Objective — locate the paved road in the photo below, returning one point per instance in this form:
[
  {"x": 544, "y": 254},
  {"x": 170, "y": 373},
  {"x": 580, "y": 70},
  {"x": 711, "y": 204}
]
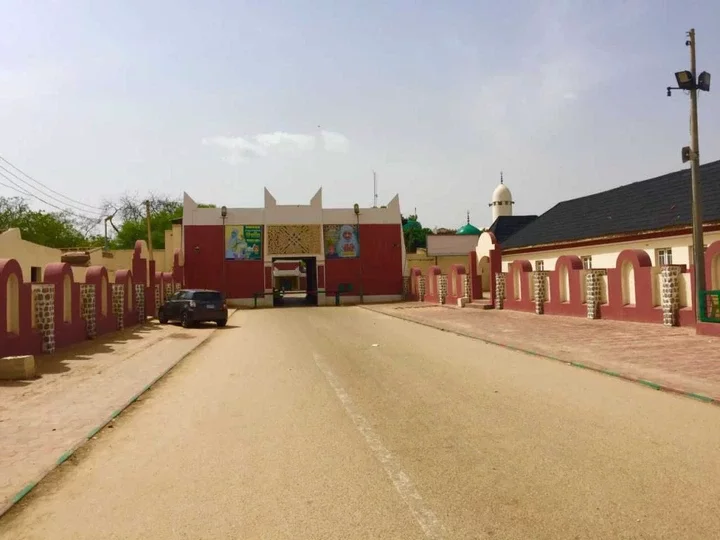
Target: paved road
[{"x": 341, "y": 423}]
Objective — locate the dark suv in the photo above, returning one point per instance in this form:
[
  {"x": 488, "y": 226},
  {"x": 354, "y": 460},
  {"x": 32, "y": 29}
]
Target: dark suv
[{"x": 190, "y": 306}]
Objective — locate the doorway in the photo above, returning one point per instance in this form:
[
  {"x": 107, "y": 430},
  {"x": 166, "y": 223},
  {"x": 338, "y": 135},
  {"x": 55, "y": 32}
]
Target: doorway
[{"x": 294, "y": 281}]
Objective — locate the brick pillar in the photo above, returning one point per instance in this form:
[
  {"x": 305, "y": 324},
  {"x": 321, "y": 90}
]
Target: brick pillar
[
  {"x": 140, "y": 302},
  {"x": 442, "y": 286},
  {"x": 118, "y": 304},
  {"x": 540, "y": 291},
  {"x": 168, "y": 291},
  {"x": 593, "y": 295},
  {"x": 157, "y": 299},
  {"x": 467, "y": 287},
  {"x": 670, "y": 277},
  {"x": 421, "y": 288},
  {"x": 87, "y": 309},
  {"x": 406, "y": 286},
  {"x": 44, "y": 315},
  {"x": 500, "y": 290}
]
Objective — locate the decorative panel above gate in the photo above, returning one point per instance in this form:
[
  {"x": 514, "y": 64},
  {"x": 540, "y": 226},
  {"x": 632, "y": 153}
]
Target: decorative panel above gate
[{"x": 293, "y": 239}]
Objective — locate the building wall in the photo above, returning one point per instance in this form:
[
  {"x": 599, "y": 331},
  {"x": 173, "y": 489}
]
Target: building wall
[
  {"x": 377, "y": 271},
  {"x": 423, "y": 261},
  {"x": 29, "y": 255},
  {"x": 605, "y": 255},
  {"x": 446, "y": 244}
]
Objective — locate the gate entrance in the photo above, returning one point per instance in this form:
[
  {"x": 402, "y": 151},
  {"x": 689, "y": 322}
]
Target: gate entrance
[{"x": 294, "y": 281}]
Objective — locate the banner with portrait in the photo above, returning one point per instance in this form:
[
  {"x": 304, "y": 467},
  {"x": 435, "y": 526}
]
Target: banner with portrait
[
  {"x": 341, "y": 241},
  {"x": 243, "y": 242}
]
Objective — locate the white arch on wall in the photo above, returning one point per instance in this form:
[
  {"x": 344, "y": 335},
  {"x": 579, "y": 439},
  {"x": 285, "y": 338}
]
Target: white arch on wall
[
  {"x": 628, "y": 283},
  {"x": 13, "y": 305},
  {"x": 564, "y": 284},
  {"x": 104, "y": 296},
  {"x": 67, "y": 299},
  {"x": 517, "y": 292}
]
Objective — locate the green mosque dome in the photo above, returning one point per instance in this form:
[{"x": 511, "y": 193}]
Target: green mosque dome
[{"x": 469, "y": 229}]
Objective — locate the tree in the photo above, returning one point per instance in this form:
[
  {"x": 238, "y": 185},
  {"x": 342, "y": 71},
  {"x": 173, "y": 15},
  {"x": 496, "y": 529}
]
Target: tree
[
  {"x": 131, "y": 213},
  {"x": 52, "y": 229},
  {"x": 415, "y": 234}
]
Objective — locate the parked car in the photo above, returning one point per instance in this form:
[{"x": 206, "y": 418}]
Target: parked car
[{"x": 191, "y": 306}]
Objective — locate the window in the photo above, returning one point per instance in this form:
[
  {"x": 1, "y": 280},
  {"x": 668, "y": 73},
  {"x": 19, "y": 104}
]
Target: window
[
  {"x": 207, "y": 296},
  {"x": 663, "y": 256},
  {"x": 539, "y": 266},
  {"x": 35, "y": 274},
  {"x": 587, "y": 262}
]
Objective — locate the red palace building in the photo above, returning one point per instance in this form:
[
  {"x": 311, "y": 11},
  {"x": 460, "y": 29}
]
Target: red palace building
[{"x": 351, "y": 255}]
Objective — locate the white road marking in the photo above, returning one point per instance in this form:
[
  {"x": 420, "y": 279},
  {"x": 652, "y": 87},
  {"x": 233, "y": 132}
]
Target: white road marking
[{"x": 425, "y": 517}]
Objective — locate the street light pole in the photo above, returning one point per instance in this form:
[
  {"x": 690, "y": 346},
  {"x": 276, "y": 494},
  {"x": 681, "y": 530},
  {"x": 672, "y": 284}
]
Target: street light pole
[
  {"x": 698, "y": 243},
  {"x": 691, "y": 82}
]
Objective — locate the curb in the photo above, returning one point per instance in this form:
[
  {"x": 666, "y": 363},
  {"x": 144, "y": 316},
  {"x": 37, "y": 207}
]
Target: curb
[
  {"x": 20, "y": 495},
  {"x": 655, "y": 386}
]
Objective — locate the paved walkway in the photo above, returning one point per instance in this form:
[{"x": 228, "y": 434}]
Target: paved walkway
[
  {"x": 672, "y": 357},
  {"x": 79, "y": 389}
]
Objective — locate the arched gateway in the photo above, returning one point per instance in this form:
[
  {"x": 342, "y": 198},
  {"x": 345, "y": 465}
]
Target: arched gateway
[{"x": 268, "y": 256}]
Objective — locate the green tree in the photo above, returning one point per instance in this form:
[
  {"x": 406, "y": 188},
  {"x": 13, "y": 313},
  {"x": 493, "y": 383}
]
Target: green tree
[
  {"x": 415, "y": 234},
  {"x": 131, "y": 213},
  {"x": 52, "y": 229}
]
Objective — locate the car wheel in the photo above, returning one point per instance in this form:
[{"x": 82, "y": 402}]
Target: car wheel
[
  {"x": 162, "y": 317},
  {"x": 185, "y": 320},
  {"x": 222, "y": 323}
]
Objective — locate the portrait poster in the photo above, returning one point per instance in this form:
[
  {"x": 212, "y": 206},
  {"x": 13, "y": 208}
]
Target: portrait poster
[
  {"x": 243, "y": 242},
  {"x": 341, "y": 241}
]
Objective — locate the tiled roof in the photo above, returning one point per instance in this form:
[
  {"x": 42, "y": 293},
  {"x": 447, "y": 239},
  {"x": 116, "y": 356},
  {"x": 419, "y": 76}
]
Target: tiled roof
[
  {"x": 657, "y": 203},
  {"x": 505, "y": 226}
]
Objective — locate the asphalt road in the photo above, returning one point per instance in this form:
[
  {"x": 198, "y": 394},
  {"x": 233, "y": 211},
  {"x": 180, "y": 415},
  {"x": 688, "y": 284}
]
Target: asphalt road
[{"x": 341, "y": 423}]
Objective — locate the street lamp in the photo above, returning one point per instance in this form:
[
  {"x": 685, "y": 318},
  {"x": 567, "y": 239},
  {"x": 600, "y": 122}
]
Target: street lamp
[
  {"x": 356, "y": 209},
  {"x": 688, "y": 81},
  {"x": 223, "y": 215}
]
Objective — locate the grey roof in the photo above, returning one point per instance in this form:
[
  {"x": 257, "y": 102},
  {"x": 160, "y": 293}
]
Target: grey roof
[
  {"x": 505, "y": 226},
  {"x": 654, "y": 204}
]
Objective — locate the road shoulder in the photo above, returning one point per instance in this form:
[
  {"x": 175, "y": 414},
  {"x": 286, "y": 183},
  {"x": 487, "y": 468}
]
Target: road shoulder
[{"x": 79, "y": 391}]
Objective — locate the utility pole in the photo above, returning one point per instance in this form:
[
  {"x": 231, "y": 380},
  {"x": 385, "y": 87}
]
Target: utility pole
[
  {"x": 699, "y": 249},
  {"x": 149, "y": 229},
  {"x": 692, "y": 82}
]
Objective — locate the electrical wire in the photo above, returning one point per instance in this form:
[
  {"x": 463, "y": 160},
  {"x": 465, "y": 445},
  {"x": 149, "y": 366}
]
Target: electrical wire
[
  {"x": 97, "y": 218},
  {"x": 72, "y": 202}
]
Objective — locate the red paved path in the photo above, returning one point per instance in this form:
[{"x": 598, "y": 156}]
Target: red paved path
[{"x": 673, "y": 357}]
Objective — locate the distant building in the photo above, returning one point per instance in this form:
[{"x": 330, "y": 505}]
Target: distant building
[
  {"x": 245, "y": 252},
  {"x": 653, "y": 215}
]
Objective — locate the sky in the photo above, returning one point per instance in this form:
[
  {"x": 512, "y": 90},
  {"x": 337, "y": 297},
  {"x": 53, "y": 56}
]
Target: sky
[{"x": 224, "y": 97}]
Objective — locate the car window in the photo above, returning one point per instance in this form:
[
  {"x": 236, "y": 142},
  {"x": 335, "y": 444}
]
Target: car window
[
  {"x": 207, "y": 296},
  {"x": 180, "y": 295}
]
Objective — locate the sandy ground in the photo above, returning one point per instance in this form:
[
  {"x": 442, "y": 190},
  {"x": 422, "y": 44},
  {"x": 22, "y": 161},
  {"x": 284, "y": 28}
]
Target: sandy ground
[
  {"x": 78, "y": 390},
  {"x": 342, "y": 423}
]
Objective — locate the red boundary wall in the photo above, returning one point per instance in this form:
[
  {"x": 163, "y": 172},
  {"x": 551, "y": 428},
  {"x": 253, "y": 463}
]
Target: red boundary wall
[
  {"x": 70, "y": 324},
  {"x": 566, "y": 287}
]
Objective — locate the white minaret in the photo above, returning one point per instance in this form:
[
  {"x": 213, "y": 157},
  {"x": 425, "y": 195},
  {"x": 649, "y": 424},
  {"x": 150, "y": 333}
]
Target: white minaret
[{"x": 501, "y": 201}]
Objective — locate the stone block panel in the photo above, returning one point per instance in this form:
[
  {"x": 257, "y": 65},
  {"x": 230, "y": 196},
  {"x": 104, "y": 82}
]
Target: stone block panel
[
  {"x": 87, "y": 309},
  {"x": 500, "y": 278},
  {"x": 43, "y": 301}
]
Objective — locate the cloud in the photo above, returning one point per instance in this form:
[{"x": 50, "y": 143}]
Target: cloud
[
  {"x": 241, "y": 149},
  {"x": 335, "y": 142}
]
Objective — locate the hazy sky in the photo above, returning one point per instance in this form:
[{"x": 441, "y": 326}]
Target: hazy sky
[{"x": 220, "y": 98}]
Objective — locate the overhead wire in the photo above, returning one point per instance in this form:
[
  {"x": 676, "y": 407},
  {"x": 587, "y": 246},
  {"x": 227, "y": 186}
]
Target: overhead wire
[
  {"x": 98, "y": 218},
  {"x": 73, "y": 203}
]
